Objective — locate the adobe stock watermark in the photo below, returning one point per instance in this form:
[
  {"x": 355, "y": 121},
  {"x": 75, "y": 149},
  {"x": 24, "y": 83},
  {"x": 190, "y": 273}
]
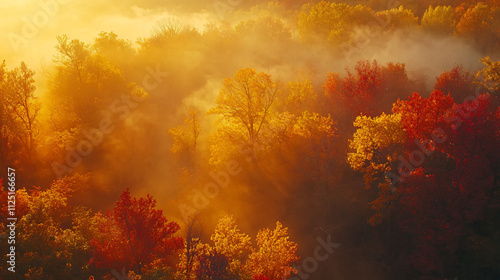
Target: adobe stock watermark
[
  {"x": 123, "y": 276},
  {"x": 201, "y": 199},
  {"x": 120, "y": 109},
  {"x": 322, "y": 252},
  {"x": 32, "y": 24},
  {"x": 220, "y": 180},
  {"x": 372, "y": 29},
  {"x": 416, "y": 158}
]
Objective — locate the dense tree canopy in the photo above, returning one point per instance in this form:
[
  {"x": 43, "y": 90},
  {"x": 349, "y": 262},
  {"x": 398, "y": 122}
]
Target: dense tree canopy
[{"x": 246, "y": 143}]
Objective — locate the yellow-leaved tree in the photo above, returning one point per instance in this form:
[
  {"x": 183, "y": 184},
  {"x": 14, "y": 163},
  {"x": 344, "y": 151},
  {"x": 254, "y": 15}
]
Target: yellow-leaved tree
[
  {"x": 489, "y": 76},
  {"x": 300, "y": 95},
  {"x": 244, "y": 109},
  {"x": 478, "y": 24},
  {"x": 398, "y": 18},
  {"x": 190, "y": 260},
  {"x": 54, "y": 236},
  {"x": 185, "y": 139},
  {"x": 275, "y": 254},
  {"x": 374, "y": 144},
  {"x": 313, "y": 135},
  {"x": 334, "y": 22},
  {"x": 19, "y": 107},
  {"x": 377, "y": 143},
  {"x": 440, "y": 19},
  {"x": 186, "y": 136},
  {"x": 235, "y": 246}
]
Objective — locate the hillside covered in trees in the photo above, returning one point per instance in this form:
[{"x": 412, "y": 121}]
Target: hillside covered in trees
[{"x": 239, "y": 139}]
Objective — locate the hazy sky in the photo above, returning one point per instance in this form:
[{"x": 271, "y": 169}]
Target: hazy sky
[{"x": 28, "y": 28}]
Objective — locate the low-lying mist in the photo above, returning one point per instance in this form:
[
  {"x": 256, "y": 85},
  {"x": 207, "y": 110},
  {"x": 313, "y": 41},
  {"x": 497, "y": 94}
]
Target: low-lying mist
[{"x": 180, "y": 54}]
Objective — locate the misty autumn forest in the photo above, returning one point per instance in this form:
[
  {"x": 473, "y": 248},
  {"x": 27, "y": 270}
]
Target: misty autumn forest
[{"x": 247, "y": 139}]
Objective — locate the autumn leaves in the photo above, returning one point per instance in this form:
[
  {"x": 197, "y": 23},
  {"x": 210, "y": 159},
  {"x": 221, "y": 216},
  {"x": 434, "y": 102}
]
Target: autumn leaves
[
  {"x": 424, "y": 155},
  {"x": 136, "y": 236},
  {"x": 233, "y": 256},
  {"x": 244, "y": 107},
  {"x": 433, "y": 161},
  {"x": 353, "y": 28}
]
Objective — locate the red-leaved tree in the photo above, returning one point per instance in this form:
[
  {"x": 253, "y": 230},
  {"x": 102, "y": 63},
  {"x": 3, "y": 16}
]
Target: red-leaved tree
[
  {"x": 370, "y": 89},
  {"x": 457, "y": 82},
  {"x": 438, "y": 203},
  {"x": 134, "y": 234},
  {"x": 420, "y": 116}
]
